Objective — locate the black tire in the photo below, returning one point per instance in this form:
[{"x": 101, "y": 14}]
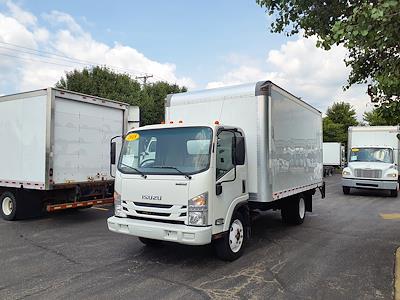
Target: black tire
[
  {"x": 393, "y": 193},
  {"x": 346, "y": 190},
  {"x": 229, "y": 250},
  {"x": 8, "y": 205},
  {"x": 293, "y": 211},
  {"x": 149, "y": 242}
]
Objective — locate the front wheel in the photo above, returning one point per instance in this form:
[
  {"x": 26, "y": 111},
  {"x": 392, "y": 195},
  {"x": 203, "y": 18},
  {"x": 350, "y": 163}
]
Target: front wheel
[
  {"x": 346, "y": 190},
  {"x": 230, "y": 247},
  {"x": 393, "y": 193},
  {"x": 294, "y": 211}
]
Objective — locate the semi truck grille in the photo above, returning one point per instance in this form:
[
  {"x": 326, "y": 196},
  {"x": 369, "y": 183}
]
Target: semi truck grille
[
  {"x": 155, "y": 211},
  {"x": 368, "y": 173}
]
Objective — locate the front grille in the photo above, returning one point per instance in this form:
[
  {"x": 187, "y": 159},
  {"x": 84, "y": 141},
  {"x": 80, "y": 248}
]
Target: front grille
[
  {"x": 368, "y": 173},
  {"x": 156, "y": 211}
]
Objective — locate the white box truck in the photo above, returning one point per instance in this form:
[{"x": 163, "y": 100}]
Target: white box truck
[
  {"x": 55, "y": 151},
  {"x": 334, "y": 156},
  {"x": 222, "y": 153},
  {"x": 373, "y": 159}
]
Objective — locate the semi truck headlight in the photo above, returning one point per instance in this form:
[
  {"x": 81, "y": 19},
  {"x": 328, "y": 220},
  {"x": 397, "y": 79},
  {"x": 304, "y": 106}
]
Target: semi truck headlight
[
  {"x": 346, "y": 172},
  {"x": 118, "y": 210},
  {"x": 392, "y": 175},
  {"x": 198, "y": 210}
]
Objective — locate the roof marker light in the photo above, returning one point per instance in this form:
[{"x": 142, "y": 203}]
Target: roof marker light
[
  {"x": 171, "y": 122},
  {"x": 216, "y": 122},
  {"x": 180, "y": 122}
]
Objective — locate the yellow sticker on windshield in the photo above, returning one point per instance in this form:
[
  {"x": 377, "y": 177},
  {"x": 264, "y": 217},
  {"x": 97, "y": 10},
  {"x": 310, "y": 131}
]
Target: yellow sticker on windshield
[
  {"x": 355, "y": 149},
  {"x": 132, "y": 137}
]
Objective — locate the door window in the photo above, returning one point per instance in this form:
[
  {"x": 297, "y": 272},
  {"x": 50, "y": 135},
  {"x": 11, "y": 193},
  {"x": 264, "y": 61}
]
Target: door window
[{"x": 224, "y": 153}]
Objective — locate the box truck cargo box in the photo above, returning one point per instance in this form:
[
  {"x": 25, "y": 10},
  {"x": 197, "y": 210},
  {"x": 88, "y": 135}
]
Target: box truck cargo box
[
  {"x": 222, "y": 153},
  {"x": 334, "y": 156},
  {"x": 373, "y": 159},
  {"x": 56, "y": 150}
]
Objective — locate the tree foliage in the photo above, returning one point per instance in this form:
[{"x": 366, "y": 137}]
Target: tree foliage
[
  {"x": 338, "y": 118},
  {"x": 370, "y": 30},
  {"x": 103, "y": 82},
  {"x": 388, "y": 114}
]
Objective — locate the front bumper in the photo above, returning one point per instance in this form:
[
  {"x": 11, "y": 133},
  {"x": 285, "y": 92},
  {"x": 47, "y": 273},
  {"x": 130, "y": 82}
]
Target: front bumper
[
  {"x": 161, "y": 231},
  {"x": 370, "y": 184}
]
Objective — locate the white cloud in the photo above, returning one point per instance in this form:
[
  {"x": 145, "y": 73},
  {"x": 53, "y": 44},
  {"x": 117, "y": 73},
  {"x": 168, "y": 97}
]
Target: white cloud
[
  {"x": 63, "y": 36},
  {"x": 305, "y": 70}
]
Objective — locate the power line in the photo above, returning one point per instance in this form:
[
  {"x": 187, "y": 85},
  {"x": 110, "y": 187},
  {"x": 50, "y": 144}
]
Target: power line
[{"x": 64, "y": 58}]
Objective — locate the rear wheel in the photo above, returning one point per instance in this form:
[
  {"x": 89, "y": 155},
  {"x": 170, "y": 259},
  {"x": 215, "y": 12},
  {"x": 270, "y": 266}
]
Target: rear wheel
[
  {"x": 149, "y": 242},
  {"x": 346, "y": 190},
  {"x": 294, "y": 210},
  {"x": 393, "y": 193},
  {"x": 230, "y": 247},
  {"x": 8, "y": 203}
]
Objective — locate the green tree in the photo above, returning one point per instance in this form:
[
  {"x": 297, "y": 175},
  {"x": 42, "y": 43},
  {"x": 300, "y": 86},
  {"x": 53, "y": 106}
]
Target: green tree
[
  {"x": 338, "y": 118},
  {"x": 370, "y": 30},
  {"x": 388, "y": 114},
  {"x": 103, "y": 82}
]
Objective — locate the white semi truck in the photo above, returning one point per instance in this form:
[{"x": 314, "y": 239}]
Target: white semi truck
[
  {"x": 55, "y": 150},
  {"x": 334, "y": 156},
  {"x": 373, "y": 159},
  {"x": 221, "y": 154}
]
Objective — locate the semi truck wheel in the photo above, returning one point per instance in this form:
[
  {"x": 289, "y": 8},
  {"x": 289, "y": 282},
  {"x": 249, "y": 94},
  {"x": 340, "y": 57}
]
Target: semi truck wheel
[
  {"x": 8, "y": 206},
  {"x": 149, "y": 242},
  {"x": 230, "y": 247},
  {"x": 346, "y": 190},
  {"x": 294, "y": 210},
  {"x": 393, "y": 193}
]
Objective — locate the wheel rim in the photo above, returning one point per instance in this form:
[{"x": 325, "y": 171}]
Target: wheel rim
[
  {"x": 302, "y": 208},
  {"x": 7, "y": 206},
  {"x": 236, "y": 236}
]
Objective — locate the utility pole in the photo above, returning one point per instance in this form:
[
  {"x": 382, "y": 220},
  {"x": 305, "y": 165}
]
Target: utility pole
[{"x": 144, "y": 78}]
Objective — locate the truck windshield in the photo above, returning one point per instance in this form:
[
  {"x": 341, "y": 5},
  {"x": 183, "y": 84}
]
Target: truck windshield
[
  {"x": 180, "y": 151},
  {"x": 384, "y": 155}
]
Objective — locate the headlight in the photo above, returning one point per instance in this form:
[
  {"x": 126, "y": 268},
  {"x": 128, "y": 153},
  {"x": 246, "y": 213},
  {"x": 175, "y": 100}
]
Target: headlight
[
  {"x": 198, "y": 210},
  {"x": 346, "y": 173},
  {"x": 118, "y": 210},
  {"x": 392, "y": 175}
]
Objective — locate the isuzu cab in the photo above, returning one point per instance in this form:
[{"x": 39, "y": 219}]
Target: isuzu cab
[{"x": 220, "y": 154}]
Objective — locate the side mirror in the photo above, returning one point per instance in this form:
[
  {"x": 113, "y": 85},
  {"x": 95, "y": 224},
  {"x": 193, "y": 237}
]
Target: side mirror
[
  {"x": 113, "y": 151},
  {"x": 240, "y": 151},
  {"x": 218, "y": 189},
  {"x": 398, "y": 136}
]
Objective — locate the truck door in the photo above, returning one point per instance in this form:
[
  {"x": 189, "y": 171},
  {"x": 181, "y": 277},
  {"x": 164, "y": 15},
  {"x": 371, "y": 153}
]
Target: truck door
[{"x": 231, "y": 179}]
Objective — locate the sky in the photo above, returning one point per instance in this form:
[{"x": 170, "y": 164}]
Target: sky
[{"x": 199, "y": 44}]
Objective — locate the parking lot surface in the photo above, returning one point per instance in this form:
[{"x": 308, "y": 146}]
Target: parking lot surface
[{"x": 344, "y": 250}]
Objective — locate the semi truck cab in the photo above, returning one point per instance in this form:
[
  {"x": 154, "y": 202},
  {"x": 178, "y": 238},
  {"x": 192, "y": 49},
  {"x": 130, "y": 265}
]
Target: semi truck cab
[
  {"x": 371, "y": 167},
  {"x": 190, "y": 190}
]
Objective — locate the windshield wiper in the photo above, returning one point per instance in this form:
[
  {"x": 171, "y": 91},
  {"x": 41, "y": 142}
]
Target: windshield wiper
[
  {"x": 175, "y": 168},
  {"x": 140, "y": 172}
]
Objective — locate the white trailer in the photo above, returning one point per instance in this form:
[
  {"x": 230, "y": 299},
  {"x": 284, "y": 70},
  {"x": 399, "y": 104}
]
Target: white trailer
[
  {"x": 221, "y": 154},
  {"x": 373, "y": 159},
  {"x": 55, "y": 150},
  {"x": 334, "y": 156}
]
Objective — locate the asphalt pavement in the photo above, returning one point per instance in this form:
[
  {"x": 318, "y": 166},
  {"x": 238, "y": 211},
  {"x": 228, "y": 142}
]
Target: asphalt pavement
[{"x": 344, "y": 250}]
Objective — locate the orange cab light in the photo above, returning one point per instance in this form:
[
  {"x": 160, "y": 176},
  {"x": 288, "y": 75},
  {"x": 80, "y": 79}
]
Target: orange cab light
[
  {"x": 162, "y": 122},
  {"x": 180, "y": 122},
  {"x": 171, "y": 122},
  {"x": 216, "y": 122}
]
